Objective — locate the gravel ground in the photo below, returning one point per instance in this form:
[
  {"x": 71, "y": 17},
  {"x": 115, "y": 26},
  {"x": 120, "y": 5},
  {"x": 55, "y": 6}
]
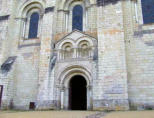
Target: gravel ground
[
  {"x": 45, "y": 114},
  {"x": 130, "y": 114},
  {"x": 76, "y": 114}
]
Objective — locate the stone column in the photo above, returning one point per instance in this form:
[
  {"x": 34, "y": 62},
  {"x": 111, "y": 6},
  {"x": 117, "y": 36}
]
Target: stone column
[
  {"x": 45, "y": 56},
  {"x": 62, "y": 97},
  {"x": 66, "y": 98},
  {"x": 89, "y": 97}
]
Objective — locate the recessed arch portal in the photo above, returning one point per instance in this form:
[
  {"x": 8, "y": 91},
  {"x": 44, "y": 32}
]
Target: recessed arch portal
[{"x": 69, "y": 77}]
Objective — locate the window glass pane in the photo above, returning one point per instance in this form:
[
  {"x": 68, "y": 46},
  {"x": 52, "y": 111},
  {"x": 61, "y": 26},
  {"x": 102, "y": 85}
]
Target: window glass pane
[
  {"x": 77, "y": 18},
  {"x": 33, "y": 28},
  {"x": 148, "y": 11}
]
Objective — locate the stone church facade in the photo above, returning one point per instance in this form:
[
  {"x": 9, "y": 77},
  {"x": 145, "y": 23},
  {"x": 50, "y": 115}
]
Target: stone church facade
[{"x": 76, "y": 55}]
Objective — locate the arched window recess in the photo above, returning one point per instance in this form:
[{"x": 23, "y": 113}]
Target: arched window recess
[
  {"x": 31, "y": 15},
  {"x": 77, "y": 18}
]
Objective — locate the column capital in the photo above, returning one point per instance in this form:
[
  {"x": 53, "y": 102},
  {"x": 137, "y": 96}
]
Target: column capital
[
  {"x": 62, "y": 88},
  {"x": 89, "y": 87}
]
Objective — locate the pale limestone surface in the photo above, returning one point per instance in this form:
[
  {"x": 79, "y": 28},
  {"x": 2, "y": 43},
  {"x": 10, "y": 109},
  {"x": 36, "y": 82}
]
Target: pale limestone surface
[{"x": 118, "y": 66}]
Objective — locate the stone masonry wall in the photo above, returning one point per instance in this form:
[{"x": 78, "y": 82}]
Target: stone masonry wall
[
  {"x": 141, "y": 63},
  {"x": 125, "y": 57},
  {"x": 140, "y": 56},
  {"x": 110, "y": 91},
  {"x": 3, "y": 35},
  {"x": 4, "y": 21},
  {"x": 26, "y": 79},
  {"x": 46, "y": 52},
  {"x": 7, "y": 80},
  {"x": 21, "y": 83},
  {"x": 6, "y": 7}
]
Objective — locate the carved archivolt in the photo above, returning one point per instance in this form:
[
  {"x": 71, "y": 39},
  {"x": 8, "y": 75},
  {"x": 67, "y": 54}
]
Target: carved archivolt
[
  {"x": 65, "y": 4},
  {"x": 29, "y": 5},
  {"x": 71, "y": 71},
  {"x": 25, "y": 11}
]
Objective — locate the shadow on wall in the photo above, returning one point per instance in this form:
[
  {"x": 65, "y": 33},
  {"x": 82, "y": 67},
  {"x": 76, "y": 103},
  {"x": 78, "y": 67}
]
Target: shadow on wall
[{"x": 6, "y": 66}]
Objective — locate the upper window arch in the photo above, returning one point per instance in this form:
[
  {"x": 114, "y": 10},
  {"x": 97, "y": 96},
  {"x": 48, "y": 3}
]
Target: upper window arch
[
  {"x": 33, "y": 25},
  {"x": 31, "y": 14},
  {"x": 77, "y": 20},
  {"x": 148, "y": 11}
]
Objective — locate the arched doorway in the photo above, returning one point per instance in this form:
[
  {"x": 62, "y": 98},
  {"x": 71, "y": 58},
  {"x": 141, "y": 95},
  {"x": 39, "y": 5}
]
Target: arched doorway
[{"x": 78, "y": 93}]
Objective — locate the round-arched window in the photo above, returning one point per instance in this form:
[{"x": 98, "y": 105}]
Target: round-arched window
[
  {"x": 77, "y": 20},
  {"x": 84, "y": 49},
  {"x": 33, "y": 27},
  {"x": 67, "y": 50}
]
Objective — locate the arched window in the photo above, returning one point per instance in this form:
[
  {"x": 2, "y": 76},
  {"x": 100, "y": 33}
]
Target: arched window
[
  {"x": 67, "y": 51},
  {"x": 84, "y": 49},
  {"x": 33, "y": 27},
  {"x": 148, "y": 11},
  {"x": 77, "y": 20}
]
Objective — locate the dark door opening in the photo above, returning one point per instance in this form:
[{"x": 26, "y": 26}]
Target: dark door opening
[
  {"x": 78, "y": 93},
  {"x": 1, "y": 92},
  {"x": 32, "y": 105}
]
